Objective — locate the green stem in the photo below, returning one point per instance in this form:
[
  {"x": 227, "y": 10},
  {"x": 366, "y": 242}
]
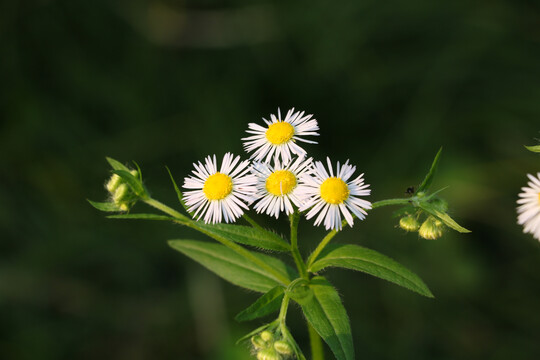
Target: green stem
[
  {"x": 295, "y": 219},
  {"x": 382, "y": 203},
  {"x": 252, "y": 222},
  {"x": 167, "y": 210},
  {"x": 333, "y": 233},
  {"x": 182, "y": 219},
  {"x": 283, "y": 311},
  {"x": 315, "y": 254},
  {"x": 317, "y": 351}
]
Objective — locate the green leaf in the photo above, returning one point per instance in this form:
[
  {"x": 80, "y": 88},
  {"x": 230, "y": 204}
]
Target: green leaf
[
  {"x": 371, "y": 262},
  {"x": 534, "y": 148},
  {"x": 139, "y": 171},
  {"x": 141, "y": 216},
  {"x": 134, "y": 183},
  {"x": 326, "y": 314},
  {"x": 429, "y": 177},
  {"x": 104, "y": 206},
  {"x": 232, "y": 266},
  {"x": 247, "y": 235},
  {"x": 117, "y": 165},
  {"x": 266, "y": 304},
  {"x": 444, "y": 217},
  {"x": 178, "y": 192}
]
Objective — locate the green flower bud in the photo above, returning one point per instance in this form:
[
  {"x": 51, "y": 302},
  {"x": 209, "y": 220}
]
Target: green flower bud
[
  {"x": 268, "y": 354},
  {"x": 267, "y": 336},
  {"x": 431, "y": 229},
  {"x": 113, "y": 183},
  {"x": 283, "y": 347},
  {"x": 120, "y": 193},
  {"x": 409, "y": 223},
  {"x": 258, "y": 342}
]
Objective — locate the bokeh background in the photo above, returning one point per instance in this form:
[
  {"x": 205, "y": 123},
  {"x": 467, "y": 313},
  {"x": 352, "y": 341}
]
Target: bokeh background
[{"x": 168, "y": 82}]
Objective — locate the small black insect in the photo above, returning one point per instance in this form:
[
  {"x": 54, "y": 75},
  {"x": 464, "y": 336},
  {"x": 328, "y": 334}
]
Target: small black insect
[{"x": 410, "y": 190}]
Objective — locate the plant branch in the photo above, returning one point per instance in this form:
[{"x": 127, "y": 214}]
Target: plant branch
[
  {"x": 294, "y": 220},
  {"x": 317, "y": 351},
  {"x": 182, "y": 219}
]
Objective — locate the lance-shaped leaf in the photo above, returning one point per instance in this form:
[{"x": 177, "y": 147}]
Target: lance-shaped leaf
[
  {"x": 444, "y": 217},
  {"x": 371, "y": 262},
  {"x": 105, "y": 206},
  {"x": 233, "y": 267},
  {"x": 328, "y": 317},
  {"x": 534, "y": 148},
  {"x": 429, "y": 177},
  {"x": 266, "y": 304},
  {"x": 178, "y": 192},
  {"x": 117, "y": 165},
  {"x": 247, "y": 235}
]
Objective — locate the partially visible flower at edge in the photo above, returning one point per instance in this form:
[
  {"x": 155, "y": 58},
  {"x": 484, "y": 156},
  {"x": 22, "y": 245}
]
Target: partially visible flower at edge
[
  {"x": 529, "y": 207},
  {"x": 219, "y": 195}
]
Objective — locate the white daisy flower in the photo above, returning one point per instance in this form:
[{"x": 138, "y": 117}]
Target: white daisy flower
[
  {"x": 279, "y": 136},
  {"x": 219, "y": 195},
  {"x": 529, "y": 207},
  {"x": 278, "y": 186},
  {"x": 333, "y": 196}
]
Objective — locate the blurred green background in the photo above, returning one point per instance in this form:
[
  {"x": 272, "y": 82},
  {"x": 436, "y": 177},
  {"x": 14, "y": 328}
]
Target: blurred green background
[{"x": 168, "y": 82}]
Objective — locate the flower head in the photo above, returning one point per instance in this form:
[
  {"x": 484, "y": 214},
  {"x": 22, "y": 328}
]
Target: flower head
[
  {"x": 278, "y": 185},
  {"x": 331, "y": 196},
  {"x": 279, "y": 136},
  {"x": 409, "y": 223},
  {"x": 219, "y": 195},
  {"x": 431, "y": 229},
  {"x": 529, "y": 207}
]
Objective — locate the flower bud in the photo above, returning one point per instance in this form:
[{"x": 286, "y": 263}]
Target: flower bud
[
  {"x": 431, "y": 229},
  {"x": 283, "y": 347},
  {"x": 113, "y": 183},
  {"x": 258, "y": 342},
  {"x": 267, "y": 336},
  {"x": 409, "y": 223},
  {"x": 268, "y": 354},
  {"x": 120, "y": 193}
]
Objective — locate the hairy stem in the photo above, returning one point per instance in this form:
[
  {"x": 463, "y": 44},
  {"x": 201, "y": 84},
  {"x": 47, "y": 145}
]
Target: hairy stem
[
  {"x": 283, "y": 311},
  {"x": 182, "y": 219},
  {"x": 387, "y": 202},
  {"x": 294, "y": 219},
  {"x": 317, "y": 351}
]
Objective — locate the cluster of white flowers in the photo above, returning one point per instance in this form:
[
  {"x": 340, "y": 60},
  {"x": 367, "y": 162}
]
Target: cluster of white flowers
[{"x": 279, "y": 178}]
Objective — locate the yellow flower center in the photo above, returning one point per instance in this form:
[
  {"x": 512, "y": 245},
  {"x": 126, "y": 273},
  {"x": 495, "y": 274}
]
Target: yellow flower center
[
  {"x": 539, "y": 198},
  {"x": 280, "y": 132},
  {"x": 334, "y": 190},
  {"x": 281, "y": 182},
  {"x": 217, "y": 186}
]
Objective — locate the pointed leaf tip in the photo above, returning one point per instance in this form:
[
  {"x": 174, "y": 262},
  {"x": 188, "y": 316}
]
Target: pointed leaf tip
[
  {"x": 265, "y": 305},
  {"x": 426, "y": 183},
  {"x": 533, "y": 148},
  {"x": 104, "y": 206}
]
